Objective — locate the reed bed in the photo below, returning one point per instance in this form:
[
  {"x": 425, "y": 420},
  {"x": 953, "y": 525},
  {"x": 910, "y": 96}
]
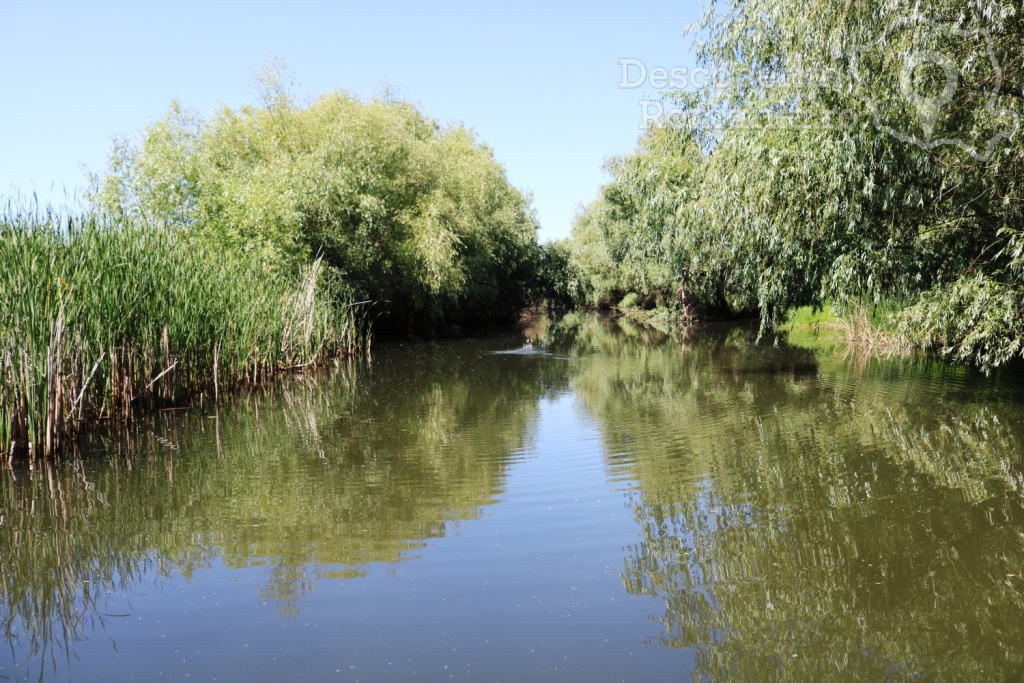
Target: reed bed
[{"x": 100, "y": 318}]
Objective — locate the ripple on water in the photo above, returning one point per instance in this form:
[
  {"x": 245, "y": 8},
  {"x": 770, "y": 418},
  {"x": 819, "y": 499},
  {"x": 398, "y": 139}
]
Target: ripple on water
[{"x": 726, "y": 504}]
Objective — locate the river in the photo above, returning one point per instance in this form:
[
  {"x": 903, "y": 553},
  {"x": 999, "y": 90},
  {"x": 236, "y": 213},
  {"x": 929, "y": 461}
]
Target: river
[{"x": 626, "y": 505}]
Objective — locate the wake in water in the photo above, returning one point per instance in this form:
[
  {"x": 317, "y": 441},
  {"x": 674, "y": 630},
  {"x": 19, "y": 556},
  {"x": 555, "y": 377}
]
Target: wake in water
[{"x": 529, "y": 349}]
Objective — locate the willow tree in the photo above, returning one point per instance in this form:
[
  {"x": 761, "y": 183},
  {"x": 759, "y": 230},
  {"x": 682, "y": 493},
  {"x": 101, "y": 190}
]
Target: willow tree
[
  {"x": 875, "y": 156},
  {"x": 860, "y": 153},
  {"x": 629, "y": 239},
  {"x": 417, "y": 217}
]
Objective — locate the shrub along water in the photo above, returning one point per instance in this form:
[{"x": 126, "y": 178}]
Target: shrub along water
[{"x": 100, "y": 316}]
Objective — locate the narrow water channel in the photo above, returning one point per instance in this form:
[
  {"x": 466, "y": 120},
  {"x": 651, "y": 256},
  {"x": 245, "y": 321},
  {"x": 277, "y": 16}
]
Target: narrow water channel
[{"x": 626, "y": 505}]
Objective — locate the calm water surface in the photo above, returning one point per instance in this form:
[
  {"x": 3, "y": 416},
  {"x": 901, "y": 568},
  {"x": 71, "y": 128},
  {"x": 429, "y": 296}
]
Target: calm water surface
[{"x": 631, "y": 506}]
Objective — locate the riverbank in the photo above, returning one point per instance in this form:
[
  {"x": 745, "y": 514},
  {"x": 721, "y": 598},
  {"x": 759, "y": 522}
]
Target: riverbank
[
  {"x": 103, "y": 318},
  {"x": 868, "y": 334}
]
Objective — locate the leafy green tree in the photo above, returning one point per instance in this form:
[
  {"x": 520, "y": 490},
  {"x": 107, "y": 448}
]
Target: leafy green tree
[
  {"x": 416, "y": 217},
  {"x": 856, "y": 154},
  {"x": 628, "y": 240},
  {"x": 873, "y": 145}
]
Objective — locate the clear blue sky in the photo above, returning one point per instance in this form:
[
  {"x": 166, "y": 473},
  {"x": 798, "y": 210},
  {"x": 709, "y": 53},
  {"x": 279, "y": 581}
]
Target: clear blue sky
[{"x": 538, "y": 81}]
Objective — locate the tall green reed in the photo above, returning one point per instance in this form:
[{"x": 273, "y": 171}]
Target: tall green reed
[{"x": 99, "y": 318}]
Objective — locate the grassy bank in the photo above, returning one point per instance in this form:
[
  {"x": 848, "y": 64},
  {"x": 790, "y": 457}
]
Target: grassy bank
[
  {"x": 868, "y": 331},
  {"x": 100, "y": 318}
]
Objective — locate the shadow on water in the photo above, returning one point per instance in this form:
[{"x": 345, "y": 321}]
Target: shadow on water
[{"x": 799, "y": 516}]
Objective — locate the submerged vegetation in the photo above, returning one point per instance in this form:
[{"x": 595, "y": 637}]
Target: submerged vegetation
[{"x": 855, "y": 155}]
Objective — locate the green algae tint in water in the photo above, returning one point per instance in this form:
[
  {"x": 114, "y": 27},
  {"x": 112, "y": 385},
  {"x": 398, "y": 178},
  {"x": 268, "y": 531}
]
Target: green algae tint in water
[{"x": 631, "y": 506}]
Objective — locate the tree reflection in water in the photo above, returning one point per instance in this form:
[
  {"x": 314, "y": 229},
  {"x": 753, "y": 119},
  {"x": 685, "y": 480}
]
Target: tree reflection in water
[
  {"x": 799, "y": 517},
  {"x": 803, "y": 519},
  {"x": 314, "y": 479}
]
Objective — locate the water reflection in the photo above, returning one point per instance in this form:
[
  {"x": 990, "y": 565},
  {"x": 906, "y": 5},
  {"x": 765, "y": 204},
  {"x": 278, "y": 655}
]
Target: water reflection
[
  {"x": 802, "y": 520},
  {"x": 56, "y": 572},
  {"x": 796, "y": 517},
  {"x": 317, "y": 478}
]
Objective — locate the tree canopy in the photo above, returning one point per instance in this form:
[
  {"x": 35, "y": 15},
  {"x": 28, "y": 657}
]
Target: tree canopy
[
  {"x": 851, "y": 154},
  {"x": 415, "y": 216}
]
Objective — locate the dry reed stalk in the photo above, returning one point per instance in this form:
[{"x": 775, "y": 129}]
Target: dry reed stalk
[
  {"x": 103, "y": 312},
  {"x": 870, "y": 339}
]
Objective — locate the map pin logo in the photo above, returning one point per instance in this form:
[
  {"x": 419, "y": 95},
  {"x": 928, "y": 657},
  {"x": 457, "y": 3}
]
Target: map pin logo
[{"x": 928, "y": 106}]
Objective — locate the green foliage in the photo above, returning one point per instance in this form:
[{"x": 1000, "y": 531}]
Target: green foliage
[
  {"x": 764, "y": 475},
  {"x": 858, "y": 154},
  {"x": 631, "y": 300},
  {"x": 974, "y": 319},
  {"x": 99, "y": 317},
  {"x": 559, "y": 281},
  {"x": 628, "y": 239},
  {"x": 416, "y": 217},
  {"x": 591, "y": 254}
]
